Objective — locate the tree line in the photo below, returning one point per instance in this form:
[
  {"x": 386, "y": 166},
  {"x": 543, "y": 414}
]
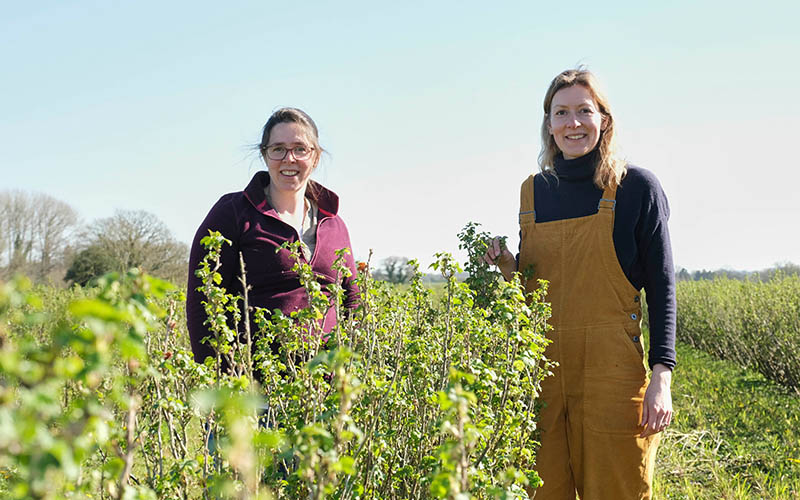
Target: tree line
[
  {"x": 45, "y": 239},
  {"x": 782, "y": 269}
]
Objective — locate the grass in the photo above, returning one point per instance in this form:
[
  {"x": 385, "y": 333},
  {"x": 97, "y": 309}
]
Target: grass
[{"x": 734, "y": 434}]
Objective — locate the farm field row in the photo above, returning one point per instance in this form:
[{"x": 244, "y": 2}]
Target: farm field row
[{"x": 753, "y": 323}]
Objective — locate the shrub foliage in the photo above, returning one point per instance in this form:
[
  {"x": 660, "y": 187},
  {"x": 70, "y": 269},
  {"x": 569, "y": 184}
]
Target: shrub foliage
[
  {"x": 753, "y": 323},
  {"x": 409, "y": 397}
]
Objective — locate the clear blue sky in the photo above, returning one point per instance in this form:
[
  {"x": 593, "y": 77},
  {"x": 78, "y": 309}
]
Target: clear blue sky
[{"x": 430, "y": 110}]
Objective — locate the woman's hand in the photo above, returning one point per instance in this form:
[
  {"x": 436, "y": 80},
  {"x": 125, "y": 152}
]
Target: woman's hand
[
  {"x": 497, "y": 254},
  {"x": 657, "y": 406}
]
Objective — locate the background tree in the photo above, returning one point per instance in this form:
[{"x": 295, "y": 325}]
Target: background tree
[
  {"x": 394, "y": 270},
  {"x": 54, "y": 222},
  {"x": 35, "y": 233},
  {"x": 88, "y": 264},
  {"x": 780, "y": 269},
  {"x": 130, "y": 238},
  {"x": 15, "y": 231}
]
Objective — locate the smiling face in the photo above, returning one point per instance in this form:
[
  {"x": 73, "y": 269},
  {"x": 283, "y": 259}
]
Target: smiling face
[
  {"x": 290, "y": 175},
  {"x": 575, "y": 121}
]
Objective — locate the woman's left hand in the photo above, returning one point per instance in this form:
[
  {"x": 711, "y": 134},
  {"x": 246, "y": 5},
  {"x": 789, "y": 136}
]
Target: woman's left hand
[{"x": 657, "y": 406}]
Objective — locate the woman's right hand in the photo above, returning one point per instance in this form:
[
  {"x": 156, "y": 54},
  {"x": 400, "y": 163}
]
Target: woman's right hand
[{"x": 497, "y": 254}]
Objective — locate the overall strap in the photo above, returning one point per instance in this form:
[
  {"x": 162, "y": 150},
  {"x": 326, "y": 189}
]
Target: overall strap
[
  {"x": 608, "y": 202},
  {"x": 526, "y": 205}
]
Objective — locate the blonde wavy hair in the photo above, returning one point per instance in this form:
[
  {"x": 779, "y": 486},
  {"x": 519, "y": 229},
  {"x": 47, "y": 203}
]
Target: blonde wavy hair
[{"x": 610, "y": 168}]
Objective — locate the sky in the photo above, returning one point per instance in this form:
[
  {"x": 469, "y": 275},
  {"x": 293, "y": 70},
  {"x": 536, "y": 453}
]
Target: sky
[{"x": 429, "y": 111}]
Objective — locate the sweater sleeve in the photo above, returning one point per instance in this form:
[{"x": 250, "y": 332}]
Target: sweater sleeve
[
  {"x": 655, "y": 252},
  {"x": 222, "y": 218}
]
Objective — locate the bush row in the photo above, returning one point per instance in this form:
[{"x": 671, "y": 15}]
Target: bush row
[{"x": 754, "y": 323}]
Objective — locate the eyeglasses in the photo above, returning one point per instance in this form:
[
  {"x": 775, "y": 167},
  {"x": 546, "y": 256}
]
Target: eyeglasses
[{"x": 280, "y": 152}]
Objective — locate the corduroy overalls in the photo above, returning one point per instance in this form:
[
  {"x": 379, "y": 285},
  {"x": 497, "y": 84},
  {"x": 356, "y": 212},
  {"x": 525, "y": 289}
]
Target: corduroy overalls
[{"x": 590, "y": 440}]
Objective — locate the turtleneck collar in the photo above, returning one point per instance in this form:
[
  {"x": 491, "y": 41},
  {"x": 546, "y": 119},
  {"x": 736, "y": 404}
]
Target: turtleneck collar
[{"x": 577, "y": 169}]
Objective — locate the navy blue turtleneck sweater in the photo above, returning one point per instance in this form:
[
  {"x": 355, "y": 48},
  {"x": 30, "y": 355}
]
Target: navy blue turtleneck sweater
[{"x": 641, "y": 235}]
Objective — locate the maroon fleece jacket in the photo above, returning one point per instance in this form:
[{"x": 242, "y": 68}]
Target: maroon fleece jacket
[{"x": 253, "y": 227}]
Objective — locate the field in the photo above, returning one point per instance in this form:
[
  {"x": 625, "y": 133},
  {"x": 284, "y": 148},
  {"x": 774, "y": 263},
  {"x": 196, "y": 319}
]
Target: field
[{"x": 426, "y": 397}]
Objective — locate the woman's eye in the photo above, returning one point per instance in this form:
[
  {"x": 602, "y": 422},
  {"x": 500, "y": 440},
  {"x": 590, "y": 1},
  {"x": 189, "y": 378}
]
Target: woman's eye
[
  {"x": 560, "y": 112},
  {"x": 278, "y": 149},
  {"x": 301, "y": 150},
  {"x": 587, "y": 111}
]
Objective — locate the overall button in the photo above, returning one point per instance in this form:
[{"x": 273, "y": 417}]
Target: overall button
[
  {"x": 634, "y": 316},
  {"x": 636, "y": 339},
  {"x": 636, "y": 299}
]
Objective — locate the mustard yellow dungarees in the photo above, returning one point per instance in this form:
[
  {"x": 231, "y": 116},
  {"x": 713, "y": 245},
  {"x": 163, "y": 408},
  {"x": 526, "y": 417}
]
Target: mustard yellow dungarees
[{"x": 590, "y": 424}]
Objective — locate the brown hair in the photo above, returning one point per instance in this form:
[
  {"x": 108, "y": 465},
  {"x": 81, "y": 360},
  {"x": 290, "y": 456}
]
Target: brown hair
[
  {"x": 293, "y": 115},
  {"x": 610, "y": 168}
]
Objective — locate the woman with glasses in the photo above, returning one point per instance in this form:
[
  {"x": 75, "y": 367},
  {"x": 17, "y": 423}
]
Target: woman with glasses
[
  {"x": 596, "y": 229},
  {"x": 279, "y": 205}
]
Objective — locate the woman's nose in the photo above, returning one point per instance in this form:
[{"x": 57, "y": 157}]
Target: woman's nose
[{"x": 573, "y": 121}]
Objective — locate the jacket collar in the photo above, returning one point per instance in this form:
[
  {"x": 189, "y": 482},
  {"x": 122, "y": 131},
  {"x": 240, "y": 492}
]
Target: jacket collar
[{"x": 327, "y": 201}]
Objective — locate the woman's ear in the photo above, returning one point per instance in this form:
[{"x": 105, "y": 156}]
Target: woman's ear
[{"x": 604, "y": 122}]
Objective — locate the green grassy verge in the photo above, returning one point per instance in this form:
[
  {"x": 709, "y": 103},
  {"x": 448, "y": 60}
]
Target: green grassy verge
[{"x": 734, "y": 435}]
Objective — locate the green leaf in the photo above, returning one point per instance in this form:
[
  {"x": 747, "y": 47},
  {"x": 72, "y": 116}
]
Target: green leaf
[
  {"x": 346, "y": 464},
  {"x": 93, "y": 308}
]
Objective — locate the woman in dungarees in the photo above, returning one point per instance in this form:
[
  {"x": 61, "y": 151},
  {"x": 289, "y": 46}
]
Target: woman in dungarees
[{"x": 596, "y": 229}]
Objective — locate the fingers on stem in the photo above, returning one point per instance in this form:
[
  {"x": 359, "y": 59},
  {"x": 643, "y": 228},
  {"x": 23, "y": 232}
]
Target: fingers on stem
[{"x": 494, "y": 251}]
